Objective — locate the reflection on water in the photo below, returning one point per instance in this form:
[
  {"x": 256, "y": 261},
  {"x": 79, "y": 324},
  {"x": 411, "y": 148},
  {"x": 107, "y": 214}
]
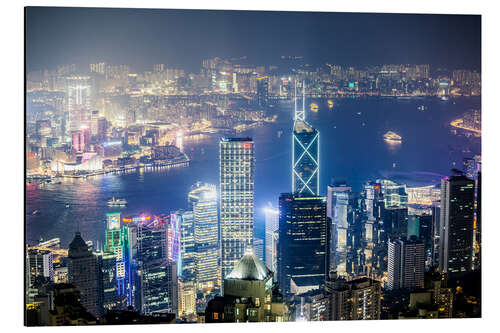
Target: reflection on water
[{"x": 349, "y": 151}]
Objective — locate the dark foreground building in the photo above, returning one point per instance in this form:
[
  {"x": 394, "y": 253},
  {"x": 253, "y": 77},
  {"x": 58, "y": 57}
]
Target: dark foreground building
[
  {"x": 303, "y": 245},
  {"x": 250, "y": 295}
]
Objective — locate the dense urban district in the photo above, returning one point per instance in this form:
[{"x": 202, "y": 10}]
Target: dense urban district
[{"x": 389, "y": 251}]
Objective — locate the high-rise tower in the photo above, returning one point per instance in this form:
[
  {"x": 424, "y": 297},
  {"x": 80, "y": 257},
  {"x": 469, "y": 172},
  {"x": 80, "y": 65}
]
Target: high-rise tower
[
  {"x": 456, "y": 224},
  {"x": 305, "y": 152},
  {"x": 236, "y": 200}
]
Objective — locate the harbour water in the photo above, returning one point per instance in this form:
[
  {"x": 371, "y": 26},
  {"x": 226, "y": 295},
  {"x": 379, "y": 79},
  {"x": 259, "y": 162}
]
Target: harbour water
[{"x": 352, "y": 148}]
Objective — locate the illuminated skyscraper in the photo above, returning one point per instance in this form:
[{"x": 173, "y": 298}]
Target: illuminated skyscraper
[
  {"x": 305, "y": 153},
  {"x": 272, "y": 225},
  {"x": 303, "y": 245},
  {"x": 258, "y": 247},
  {"x": 187, "y": 262},
  {"x": 78, "y": 101},
  {"x": 456, "y": 224},
  {"x": 117, "y": 242},
  {"x": 156, "y": 273},
  {"x": 339, "y": 210},
  {"x": 203, "y": 199},
  {"x": 262, "y": 91},
  {"x": 159, "y": 289},
  {"x": 236, "y": 199}
]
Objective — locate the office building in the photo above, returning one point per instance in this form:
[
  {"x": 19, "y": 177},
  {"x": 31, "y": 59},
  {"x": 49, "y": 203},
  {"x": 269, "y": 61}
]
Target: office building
[
  {"x": 271, "y": 226},
  {"x": 406, "y": 264},
  {"x": 262, "y": 91},
  {"x": 303, "y": 245},
  {"x": 39, "y": 265},
  {"x": 158, "y": 286},
  {"x": 395, "y": 220},
  {"x": 394, "y": 193},
  {"x": 108, "y": 272},
  {"x": 236, "y": 199},
  {"x": 258, "y": 247},
  {"x": 456, "y": 225},
  {"x": 305, "y": 153},
  {"x": 117, "y": 242},
  {"x": 203, "y": 201},
  {"x": 339, "y": 211},
  {"x": 187, "y": 262},
  {"x": 436, "y": 219},
  {"x": 83, "y": 273}
]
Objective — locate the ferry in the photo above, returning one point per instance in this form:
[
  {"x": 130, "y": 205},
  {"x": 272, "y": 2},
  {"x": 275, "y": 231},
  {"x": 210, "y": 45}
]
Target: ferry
[
  {"x": 314, "y": 107},
  {"x": 392, "y": 137},
  {"x": 117, "y": 202}
]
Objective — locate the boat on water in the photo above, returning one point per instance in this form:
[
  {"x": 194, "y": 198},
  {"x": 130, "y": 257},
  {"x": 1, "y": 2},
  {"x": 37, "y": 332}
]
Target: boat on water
[
  {"x": 392, "y": 137},
  {"x": 314, "y": 107},
  {"x": 67, "y": 205},
  {"x": 35, "y": 212},
  {"x": 117, "y": 202},
  {"x": 330, "y": 104}
]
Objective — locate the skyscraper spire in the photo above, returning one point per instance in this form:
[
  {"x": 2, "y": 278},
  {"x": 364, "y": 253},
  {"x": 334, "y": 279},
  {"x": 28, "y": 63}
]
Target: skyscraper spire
[{"x": 305, "y": 152}]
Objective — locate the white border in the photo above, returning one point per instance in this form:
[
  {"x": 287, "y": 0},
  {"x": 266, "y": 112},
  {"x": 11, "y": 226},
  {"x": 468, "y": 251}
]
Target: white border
[{"x": 12, "y": 160}]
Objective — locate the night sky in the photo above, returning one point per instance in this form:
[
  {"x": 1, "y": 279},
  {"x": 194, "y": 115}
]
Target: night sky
[{"x": 183, "y": 38}]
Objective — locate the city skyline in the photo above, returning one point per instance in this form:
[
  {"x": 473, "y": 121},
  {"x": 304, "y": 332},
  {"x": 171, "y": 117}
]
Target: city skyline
[{"x": 161, "y": 173}]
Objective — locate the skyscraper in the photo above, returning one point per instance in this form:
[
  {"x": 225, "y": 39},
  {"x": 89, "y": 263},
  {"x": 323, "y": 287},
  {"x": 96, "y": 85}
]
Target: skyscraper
[
  {"x": 258, "y": 247},
  {"x": 83, "y": 273},
  {"x": 39, "y": 263},
  {"x": 305, "y": 153},
  {"x": 406, "y": 263},
  {"x": 436, "y": 219},
  {"x": 78, "y": 89},
  {"x": 262, "y": 91},
  {"x": 271, "y": 225},
  {"x": 339, "y": 211},
  {"x": 187, "y": 262},
  {"x": 158, "y": 286},
  {"x": 236, "y": 199},
  {"x": 117, "y": 242},
  {"x": 303, "y": 245},
  {"x": 156, "y": 273},
  {"x": 203, "y": 201},
  {"x": 456, "y": 224}
]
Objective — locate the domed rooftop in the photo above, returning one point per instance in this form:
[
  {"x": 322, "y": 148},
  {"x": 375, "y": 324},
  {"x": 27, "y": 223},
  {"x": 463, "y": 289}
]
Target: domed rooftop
[{"x": 250, "y": 267}]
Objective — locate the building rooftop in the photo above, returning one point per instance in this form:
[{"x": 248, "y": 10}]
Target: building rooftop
[
  {"x": 235, "y": 139},
  {"x": 250, "y": 267},
  {"x": 301, "y": 126}
]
